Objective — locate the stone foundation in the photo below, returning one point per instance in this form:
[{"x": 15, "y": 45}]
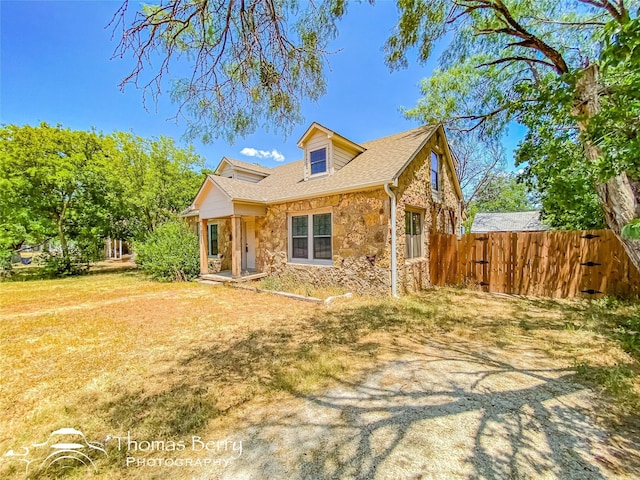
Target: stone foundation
[{"x": 357, "y": 275}]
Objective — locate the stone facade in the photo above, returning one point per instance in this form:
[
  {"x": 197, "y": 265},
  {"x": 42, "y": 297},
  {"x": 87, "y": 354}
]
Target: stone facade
[
  {"x": 360, "y": 241},
  {"x": 440, "y": 213}
]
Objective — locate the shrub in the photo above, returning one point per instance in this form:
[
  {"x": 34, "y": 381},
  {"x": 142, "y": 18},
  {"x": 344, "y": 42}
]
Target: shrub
[
  {"x": 55, "y": 265},
  {"x": 170, "y": 253},
  {"x": 5, "y": 263}
]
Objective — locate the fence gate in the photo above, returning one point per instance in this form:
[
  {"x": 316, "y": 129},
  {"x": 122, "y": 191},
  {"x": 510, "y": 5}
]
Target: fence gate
[{"x": 551, "y": 264}]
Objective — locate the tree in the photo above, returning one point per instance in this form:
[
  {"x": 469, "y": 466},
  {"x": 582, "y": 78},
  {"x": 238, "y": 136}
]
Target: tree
[
  {"x": 501, "y": 52},
  {"x": 150, "y": 181},
  {"x": 501, "y": 192},
  {"x": 251, "y": 62},
  {"x": 51, "y": 179},
  {"x": 478, "y": 159},
  {"x": 554, "y": 162},
  {"x": 81, "y": 187}
]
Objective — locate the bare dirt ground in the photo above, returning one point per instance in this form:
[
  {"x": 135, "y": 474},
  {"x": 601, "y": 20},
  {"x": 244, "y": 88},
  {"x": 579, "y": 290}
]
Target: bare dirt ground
[{"x": 437, "y": 409}]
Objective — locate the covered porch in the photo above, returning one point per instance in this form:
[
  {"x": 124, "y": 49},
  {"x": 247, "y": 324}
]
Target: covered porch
[
  {"x": 228, "y": 248},
  {"x": 227, "y": 228}
]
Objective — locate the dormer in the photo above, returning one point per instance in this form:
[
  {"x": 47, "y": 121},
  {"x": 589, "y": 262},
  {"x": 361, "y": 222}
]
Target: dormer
[
  {"x": 325, "y": 151},
  {"x": 249, "y": 172}
]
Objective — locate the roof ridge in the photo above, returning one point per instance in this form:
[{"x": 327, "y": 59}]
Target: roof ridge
[
  {"x": 255, "y": 164},
  {"x": 427, "y": 125}
]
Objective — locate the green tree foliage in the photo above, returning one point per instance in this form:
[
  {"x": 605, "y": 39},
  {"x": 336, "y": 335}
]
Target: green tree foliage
[
  {"x": 251, "y": 62},
  {"x": 52, "y": 185},
  {"x": 616, "y": 129},
  {"x": 80, "y": 187},
  {"x": 170, "y": 252},
  {"x": 554, "y": 162},
  {"x": 151, "y": 181},
  {"x": 501, "y": 192}
]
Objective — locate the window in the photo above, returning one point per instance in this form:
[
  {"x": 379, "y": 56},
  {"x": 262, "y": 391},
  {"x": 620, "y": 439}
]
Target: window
[
  {"x": 311, "y": 238},
  {"x": 318, "y": 161},
  {"x": 300, "y": 237},
  {"x": 322, "y": 236},
  {"x": 413, "y": 234},
  {"x": 213, "y": 240},
  {"x": 435, "y": 172}
]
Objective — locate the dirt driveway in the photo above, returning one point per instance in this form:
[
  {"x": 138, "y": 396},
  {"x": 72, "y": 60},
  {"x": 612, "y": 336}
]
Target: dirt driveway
[{"x": 437, "y": 409}]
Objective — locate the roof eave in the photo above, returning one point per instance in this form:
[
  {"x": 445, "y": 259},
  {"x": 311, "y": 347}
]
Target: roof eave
[{"x": 356, "y": 188}]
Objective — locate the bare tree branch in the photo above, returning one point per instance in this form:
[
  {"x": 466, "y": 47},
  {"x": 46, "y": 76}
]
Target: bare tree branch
[
  {"x": 516, "y": 59},
  {"x": 249, "y": 65}
]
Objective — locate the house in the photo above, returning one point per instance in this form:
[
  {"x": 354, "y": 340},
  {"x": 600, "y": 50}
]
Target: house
[
  {"x": 507, "y": 222},
  {"x": 356, "y": 214}
]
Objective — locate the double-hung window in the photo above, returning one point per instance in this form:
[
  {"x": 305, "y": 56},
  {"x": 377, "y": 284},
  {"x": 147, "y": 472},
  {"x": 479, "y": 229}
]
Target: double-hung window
[
  {"x": 310, "y": 238},
  {"x": 213, "y": 239},
  {"x": 318, "y": 161},
  {"x": 435, "y": 171},
  {"x": 413, "y": 234},
  {"x": 300, "y": 237}
]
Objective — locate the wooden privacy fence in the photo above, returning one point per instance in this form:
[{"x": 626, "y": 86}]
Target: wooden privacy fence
[{"x": 548, "y": 264}]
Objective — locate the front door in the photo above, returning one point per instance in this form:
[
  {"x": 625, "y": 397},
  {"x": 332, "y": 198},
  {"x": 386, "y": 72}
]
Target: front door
[{"x": 248, "y": 244}]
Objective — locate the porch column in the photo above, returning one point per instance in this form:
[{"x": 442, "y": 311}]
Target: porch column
[
  {"x": 204, "y": 250},
  {"x": 236, "y": 246}
]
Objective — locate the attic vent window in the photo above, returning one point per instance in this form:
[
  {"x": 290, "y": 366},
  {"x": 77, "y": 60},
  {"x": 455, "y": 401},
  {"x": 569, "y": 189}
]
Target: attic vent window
[{"x": 318, "y": 161}]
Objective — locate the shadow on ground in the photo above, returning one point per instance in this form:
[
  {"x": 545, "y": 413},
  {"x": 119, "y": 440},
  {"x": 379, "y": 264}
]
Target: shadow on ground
[
  {"x": 441, "y": 411},
  {"x": 440, "y": 408}
]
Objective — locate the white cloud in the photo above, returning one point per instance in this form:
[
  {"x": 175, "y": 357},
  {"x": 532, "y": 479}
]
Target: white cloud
[{"x": 252, "y": 152}]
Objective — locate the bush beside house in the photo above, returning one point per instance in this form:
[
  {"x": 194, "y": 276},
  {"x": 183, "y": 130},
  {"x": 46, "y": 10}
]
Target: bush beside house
[{"x": 170, "y": 253}]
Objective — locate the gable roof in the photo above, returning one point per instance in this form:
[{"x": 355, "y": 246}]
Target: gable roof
[
  {"x": 507, "y": 222},
  {"x": 253, "y": 167},
  {"x": 330, "y": 134},
  {"x": 382, "y": 162}
]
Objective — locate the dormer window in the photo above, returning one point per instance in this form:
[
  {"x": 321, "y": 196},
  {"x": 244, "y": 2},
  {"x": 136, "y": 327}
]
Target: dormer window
[
  {"x": 318, "y": 161},
  {"x": 325, "y": 152}
]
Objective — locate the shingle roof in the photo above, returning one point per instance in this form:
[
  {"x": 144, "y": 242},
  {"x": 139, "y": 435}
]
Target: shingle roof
[
  {"x": 383, "y": 161},
  {"x": 246, "y": 165},
  {"x": 507, "y": 222}
]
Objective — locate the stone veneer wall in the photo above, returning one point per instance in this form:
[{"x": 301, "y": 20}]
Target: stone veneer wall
[
  {"x": 361, "y": 239},
  {"x": 414, "y": 190},
  {"x": 223, "y": 262}
]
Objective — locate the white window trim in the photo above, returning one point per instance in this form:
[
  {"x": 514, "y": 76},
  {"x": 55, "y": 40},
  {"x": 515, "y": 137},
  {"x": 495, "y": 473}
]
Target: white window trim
[
  {"x": 209, "y": 239},
  {"x": 311, "y": 260},
  {"x": 421, "y": 212},
  {"x": 329, "y": 161}
]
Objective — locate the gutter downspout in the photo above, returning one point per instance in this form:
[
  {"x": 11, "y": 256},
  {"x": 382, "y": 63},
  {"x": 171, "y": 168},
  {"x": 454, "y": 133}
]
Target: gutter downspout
[{"x": 394, "y": 253}]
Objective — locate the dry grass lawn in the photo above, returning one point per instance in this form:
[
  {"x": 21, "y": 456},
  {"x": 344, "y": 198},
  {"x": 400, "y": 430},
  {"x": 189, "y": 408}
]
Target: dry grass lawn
[{"x": 114, "y": 353}]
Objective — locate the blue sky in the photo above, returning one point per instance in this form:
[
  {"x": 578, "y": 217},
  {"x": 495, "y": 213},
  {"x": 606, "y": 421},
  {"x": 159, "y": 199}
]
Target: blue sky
[{"x": 56, "y": 67}]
